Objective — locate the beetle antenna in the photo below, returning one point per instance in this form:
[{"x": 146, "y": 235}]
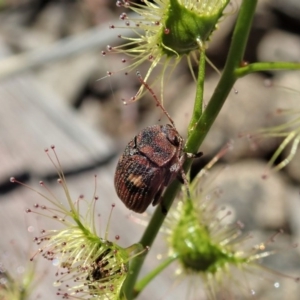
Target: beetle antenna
[{"x": 158, "y": 103}]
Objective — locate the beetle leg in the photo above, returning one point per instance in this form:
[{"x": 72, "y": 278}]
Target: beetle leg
[
  {"x": 193, "y": 155},
  {"x": 157, "y": 196},
  {"x": 179, "y": 178},
  {"x": 158, "y": 200},
  {"x": 163, "y": 209}
]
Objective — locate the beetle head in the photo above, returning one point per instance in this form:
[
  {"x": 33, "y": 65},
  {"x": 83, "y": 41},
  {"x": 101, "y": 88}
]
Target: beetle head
[{"x": 172, "y": 134}]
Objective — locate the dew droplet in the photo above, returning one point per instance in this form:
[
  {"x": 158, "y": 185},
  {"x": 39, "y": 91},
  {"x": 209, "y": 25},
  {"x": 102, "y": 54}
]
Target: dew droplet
[
  {"x": 123, "y": 16},
  {"x": 56, "y": 283},
  {"x": 20, "y": 269},
  {"x": 268, "y": 83},
  {"x": 55, "y": 262},
  {"x": 30, "y": 229}
]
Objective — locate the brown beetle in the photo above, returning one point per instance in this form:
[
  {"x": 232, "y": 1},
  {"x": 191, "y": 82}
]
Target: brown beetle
[{"x": 150, "y": 161}]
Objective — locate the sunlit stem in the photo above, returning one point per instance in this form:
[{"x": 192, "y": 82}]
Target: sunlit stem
[
  {"x": 266, "y": 66},
  {"x": 152, "y": 274},
  {"x": 292, "y": 153},
  {"x": 198, "y": 105}
]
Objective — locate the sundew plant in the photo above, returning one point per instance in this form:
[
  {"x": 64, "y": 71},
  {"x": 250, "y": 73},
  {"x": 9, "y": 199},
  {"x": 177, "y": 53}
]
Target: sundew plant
[{"x": 207, "y": 250}]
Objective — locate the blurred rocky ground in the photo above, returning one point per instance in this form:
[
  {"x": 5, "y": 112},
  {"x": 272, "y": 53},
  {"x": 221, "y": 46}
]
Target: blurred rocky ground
[{"x": 264, "y": 205}]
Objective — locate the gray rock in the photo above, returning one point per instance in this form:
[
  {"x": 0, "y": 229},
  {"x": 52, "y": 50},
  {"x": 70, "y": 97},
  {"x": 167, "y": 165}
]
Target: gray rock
[
  {"x": 256, "y": 202},
  {"x": 293, "y": 208},
  {"x": 278, "y": 45},
  {"x": 289, "y": 7}
]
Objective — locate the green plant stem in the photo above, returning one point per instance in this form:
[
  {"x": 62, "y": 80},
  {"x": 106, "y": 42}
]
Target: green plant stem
[
  {"x": 198, "y": 133},
  {"x": 266, "y": 66},
  {"x": 151, "y": 275},
  {"x": 198, "y": 105}
]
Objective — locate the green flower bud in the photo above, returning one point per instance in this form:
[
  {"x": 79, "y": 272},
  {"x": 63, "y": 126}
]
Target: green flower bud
[
  {"x": 188, "y": 25},
  {"x": 166, "y": 31},
  {"x": 212, "y": 250},
  {"x": 197, "y": 250}
]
